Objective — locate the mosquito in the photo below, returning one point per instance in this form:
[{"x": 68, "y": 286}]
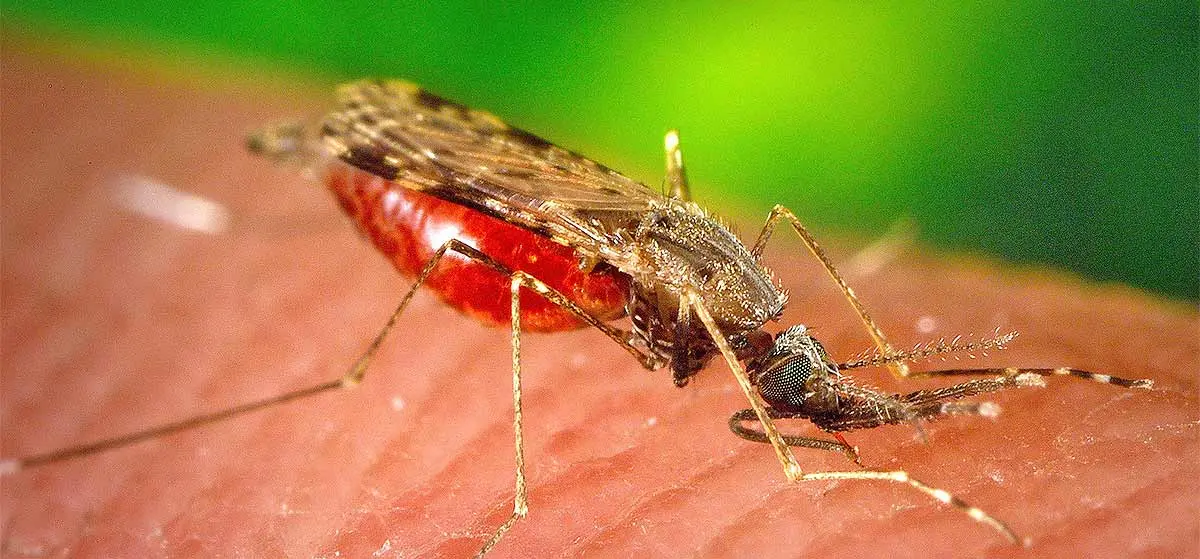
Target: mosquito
[{"x": 485, "y": 215}]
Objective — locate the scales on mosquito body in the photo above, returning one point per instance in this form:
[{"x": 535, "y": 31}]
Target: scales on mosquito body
[{"x": 517, "y": 232}]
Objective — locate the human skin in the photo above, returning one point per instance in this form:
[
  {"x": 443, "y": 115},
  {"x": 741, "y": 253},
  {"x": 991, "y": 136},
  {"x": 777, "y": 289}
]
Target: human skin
[{"x": 113, "y": 322}]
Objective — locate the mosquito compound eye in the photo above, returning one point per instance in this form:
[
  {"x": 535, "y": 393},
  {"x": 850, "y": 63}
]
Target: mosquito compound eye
[{"x": 783, "y": 386}]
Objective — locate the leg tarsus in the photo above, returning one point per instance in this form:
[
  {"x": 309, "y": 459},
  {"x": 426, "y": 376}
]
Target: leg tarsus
[
  {"x": 753, "y": 435},
  {"x": 940, "y": 495},
  {"x": 499, "y": 533}
]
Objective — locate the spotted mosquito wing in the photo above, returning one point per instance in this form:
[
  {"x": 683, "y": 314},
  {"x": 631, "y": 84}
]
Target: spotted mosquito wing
[{"x": 405, "y": 134}]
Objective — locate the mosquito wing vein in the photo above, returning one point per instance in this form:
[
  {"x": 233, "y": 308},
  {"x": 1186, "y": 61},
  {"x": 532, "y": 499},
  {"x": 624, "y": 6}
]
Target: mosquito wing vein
[{"x": 424, "y": 142}]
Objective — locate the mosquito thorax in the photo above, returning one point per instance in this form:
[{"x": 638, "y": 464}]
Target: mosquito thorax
[
  {"x": 688, "y": 250},
  {"x": 790, "y": 376},
  {"x": 680, "y": 249}
]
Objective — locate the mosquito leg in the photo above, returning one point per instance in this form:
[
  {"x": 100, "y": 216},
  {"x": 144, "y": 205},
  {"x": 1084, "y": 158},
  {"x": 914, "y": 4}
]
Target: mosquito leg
[
  {"x": 792, "y": 469},
  {"x": 517, "y": 280},
  {"x": 520, "y": 501},
  {"x": 737, "y": 425},
  {"x": 783, "y": 452},
  {"x": 1144, "y": 384},
  {"x": 940, "y": 495},
  {"x": 676, "y": 176},
  {"x": 353, "y": 377},
  {"x": 898, "y": 368},
  {"x": 13, "y": 465},
  {"x": 622, "y": 337}
]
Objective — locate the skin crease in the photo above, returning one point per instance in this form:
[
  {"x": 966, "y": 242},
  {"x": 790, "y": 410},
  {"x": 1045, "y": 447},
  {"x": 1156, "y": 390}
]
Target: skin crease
[{"x": 112, "y": 322}]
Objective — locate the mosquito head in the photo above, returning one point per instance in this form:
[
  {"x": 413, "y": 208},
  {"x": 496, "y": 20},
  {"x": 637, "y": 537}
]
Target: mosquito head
[{"x": 794, "y": 374}]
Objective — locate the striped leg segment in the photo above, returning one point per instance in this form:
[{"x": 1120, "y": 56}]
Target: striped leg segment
[
  {"x": 939, "y": 495},
  {"x": 1141, "y": 384}
]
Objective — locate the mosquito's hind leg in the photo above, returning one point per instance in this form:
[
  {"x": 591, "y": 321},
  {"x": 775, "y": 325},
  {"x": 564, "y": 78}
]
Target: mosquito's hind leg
[
  {"x": 353, "y": 376},
  {"x": 520, "y": 500},
  {"x": 357, "y": 372},
  {"x": 898, "y": 368}
]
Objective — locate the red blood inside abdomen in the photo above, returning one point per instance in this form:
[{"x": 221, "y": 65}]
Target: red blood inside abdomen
[{"x": 408, "y": 227}]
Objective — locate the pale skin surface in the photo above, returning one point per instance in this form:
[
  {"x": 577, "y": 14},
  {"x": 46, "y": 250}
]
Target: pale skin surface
[{"x": 112, "y": 322}]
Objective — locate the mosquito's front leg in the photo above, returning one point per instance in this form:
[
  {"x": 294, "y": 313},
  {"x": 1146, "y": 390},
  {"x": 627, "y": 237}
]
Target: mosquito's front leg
[
  {"x": 677, "y": 179},
  {"x": 898, "y": 368},
  {"x": 737, "y": 425},
  {"x": 792, "y": 469}
]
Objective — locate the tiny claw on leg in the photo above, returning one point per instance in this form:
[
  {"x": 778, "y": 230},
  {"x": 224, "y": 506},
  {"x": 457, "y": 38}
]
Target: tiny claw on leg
[{"x": 851, "y": 451}]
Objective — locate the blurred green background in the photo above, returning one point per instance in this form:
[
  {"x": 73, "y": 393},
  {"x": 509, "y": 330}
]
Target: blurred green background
[{"x": 1044, "y": 132}]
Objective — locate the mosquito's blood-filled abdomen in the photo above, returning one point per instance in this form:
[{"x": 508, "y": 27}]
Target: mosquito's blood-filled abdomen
[{"x": 408, "y": 227}]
